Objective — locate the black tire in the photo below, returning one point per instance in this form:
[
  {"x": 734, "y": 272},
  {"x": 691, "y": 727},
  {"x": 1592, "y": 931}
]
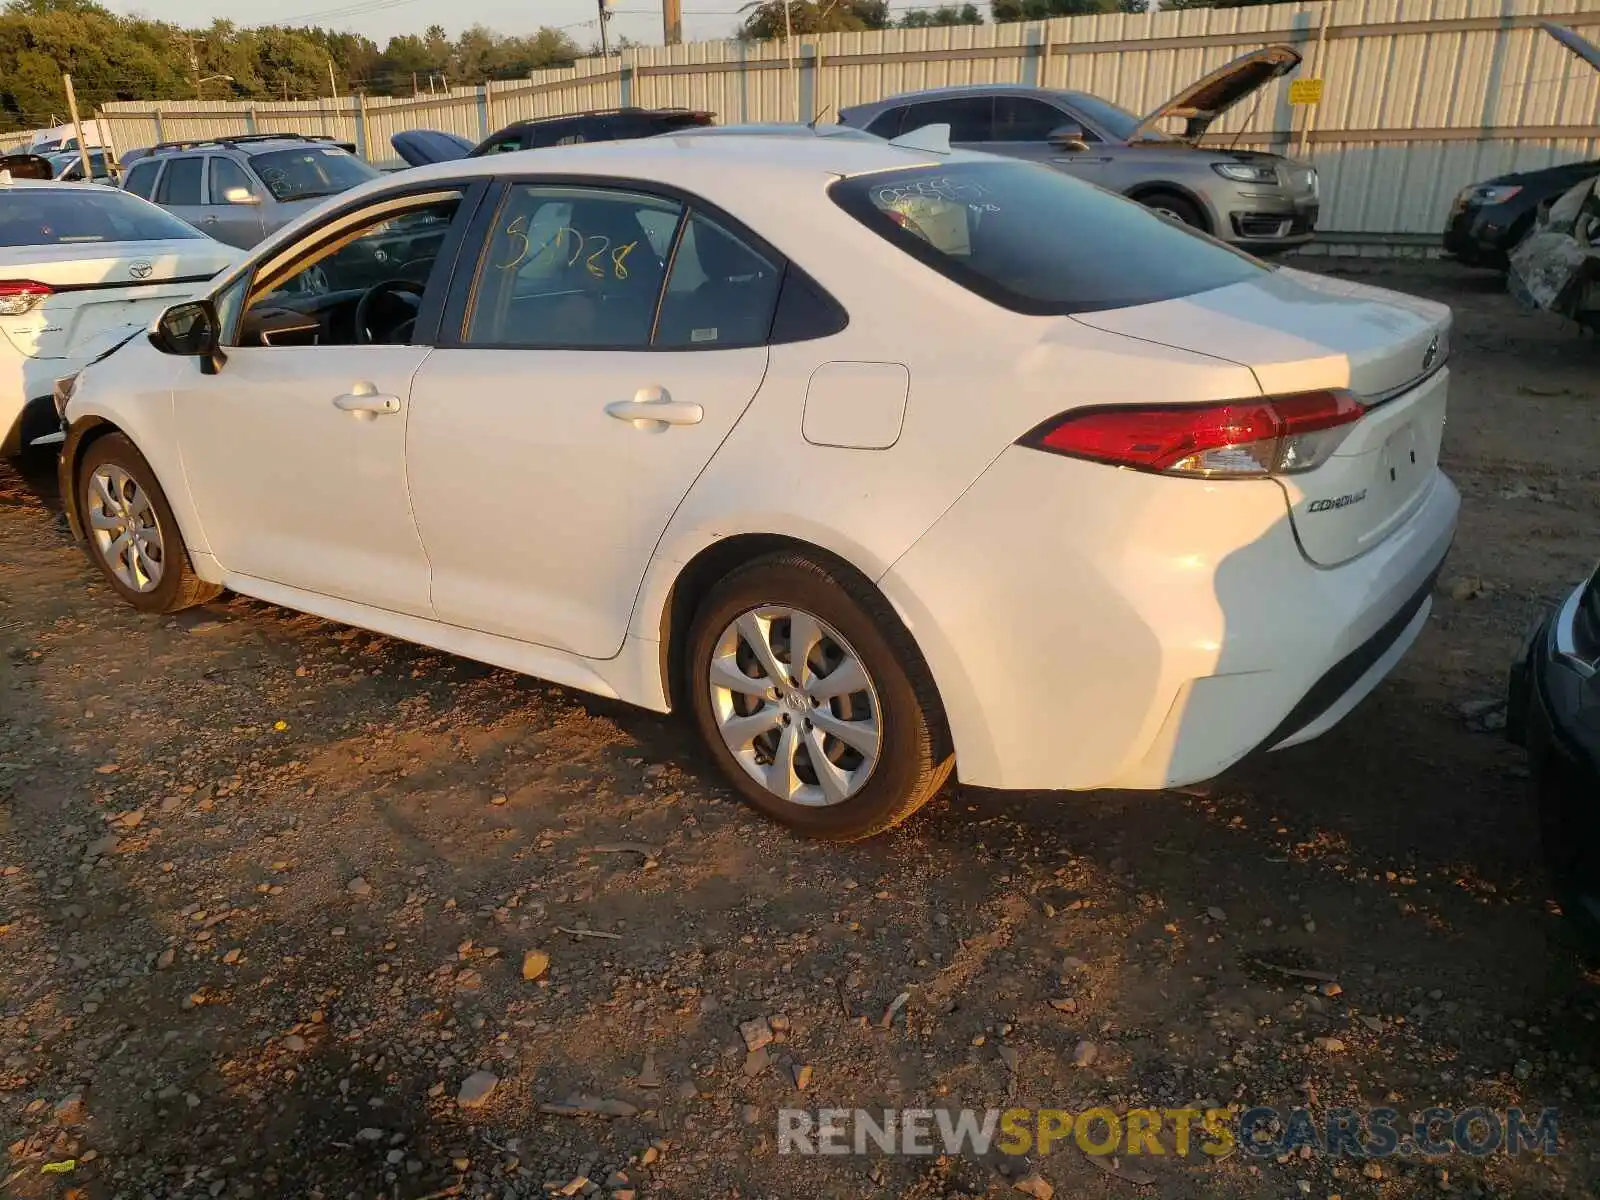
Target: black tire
[
  {"x": 1570, "y": 827},
  {"x": 914, "y": 756},
  {"x": 179, "y": 587},
  {"x": 1178, "y": 206}
]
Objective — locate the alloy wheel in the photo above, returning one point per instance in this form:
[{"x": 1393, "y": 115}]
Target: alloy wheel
[
  {"x": 126, "y": 531},
  {"x": 795, "y": 705}
]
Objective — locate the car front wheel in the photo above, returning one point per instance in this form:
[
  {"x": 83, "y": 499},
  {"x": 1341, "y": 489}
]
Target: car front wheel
[
  {"x": 131, "y": 533},
  {"x": 813, "y": 699}
]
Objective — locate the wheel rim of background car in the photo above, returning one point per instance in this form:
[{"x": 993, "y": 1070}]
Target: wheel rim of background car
[
  {"x": 126, "y": 530},
  {"x": 1170, "y": 213},
  {"x": 805, "y": 727}
]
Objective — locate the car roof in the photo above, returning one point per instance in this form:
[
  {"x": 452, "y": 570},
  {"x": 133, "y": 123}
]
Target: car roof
[
  {"x": 964, "y": 89},
  {"x": 668, "y": 158},
  {"x": 64, "y": 185}
]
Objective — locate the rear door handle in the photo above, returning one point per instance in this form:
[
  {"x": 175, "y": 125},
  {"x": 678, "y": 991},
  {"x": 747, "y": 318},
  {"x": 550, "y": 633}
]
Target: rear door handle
[
  {"x": 653, "y": 409},
  {"x": 364, "y": 401}
]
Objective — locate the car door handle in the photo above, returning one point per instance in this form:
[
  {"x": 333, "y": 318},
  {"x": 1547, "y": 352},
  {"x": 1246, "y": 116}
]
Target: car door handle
[
  {"x": 366, "y": 402},
  {"x": 652, "y": 408}
]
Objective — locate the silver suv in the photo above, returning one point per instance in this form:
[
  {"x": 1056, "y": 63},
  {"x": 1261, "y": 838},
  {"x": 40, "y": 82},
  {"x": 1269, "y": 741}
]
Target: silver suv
[
  {"x": 240, "y": 189},
  {"x": 1257, "y": 201}
]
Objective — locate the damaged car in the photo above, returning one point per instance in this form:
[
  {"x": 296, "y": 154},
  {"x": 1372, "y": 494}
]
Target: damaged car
[
  {"x": 1489, "y": 219},
  {"x": 1557, "y": 267}
]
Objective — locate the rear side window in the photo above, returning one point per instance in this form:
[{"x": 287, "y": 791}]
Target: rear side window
[
  {"x": 1036, "y": 241},
  {"x": 887, "y": 125},
  {"x": 72, "y": 217},
  {"x": 971, "y": 118},
  {"x": 1024, "y": 119},
  {"x": 181, "y": 183},
  {"x": 141, "y": 178}
]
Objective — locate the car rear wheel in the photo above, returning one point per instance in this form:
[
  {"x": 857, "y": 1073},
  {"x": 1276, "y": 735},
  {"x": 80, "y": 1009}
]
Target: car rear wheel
[
  {"x": 1183, "y": 211},
  {"x": 131, "y": 534},
  {"x": 813, "y": 699}
]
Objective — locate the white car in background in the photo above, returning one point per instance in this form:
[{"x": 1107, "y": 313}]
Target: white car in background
[
  {"x": 82, "y": 267},
  {"x": 873, "y": 457}
]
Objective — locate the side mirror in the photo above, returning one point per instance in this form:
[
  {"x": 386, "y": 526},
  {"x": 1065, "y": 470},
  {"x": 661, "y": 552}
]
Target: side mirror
[
  {"x": 190, "y": 330},
  {"x": 240, "y": 195},
  {"x": 1068, "y": 136}
]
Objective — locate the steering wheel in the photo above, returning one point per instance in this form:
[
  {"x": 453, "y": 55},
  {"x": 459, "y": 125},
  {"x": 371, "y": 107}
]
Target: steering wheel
[{"x": 365, "y": 306}]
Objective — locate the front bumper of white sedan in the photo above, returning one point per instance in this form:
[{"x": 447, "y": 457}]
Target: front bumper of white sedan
[{"x": 1092, "y": 627}]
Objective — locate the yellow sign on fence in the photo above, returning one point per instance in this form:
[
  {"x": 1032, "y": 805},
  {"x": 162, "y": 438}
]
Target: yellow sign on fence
[{"x": 1305, "y": 91}]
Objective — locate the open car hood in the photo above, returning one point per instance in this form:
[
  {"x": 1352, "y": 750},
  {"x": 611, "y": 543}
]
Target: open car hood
[
  {"x": 420, "y": 147},
  {"x": 1582, "y": 47},
  {"x": 1204, "y": 101}
]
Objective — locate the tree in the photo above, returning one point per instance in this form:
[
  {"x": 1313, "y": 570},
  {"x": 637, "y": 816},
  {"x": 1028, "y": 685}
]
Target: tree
[
  {"x": 765, "y": 19},
  {"x": 945, "y": 14},
  {"x": 1039, "y": 10}
]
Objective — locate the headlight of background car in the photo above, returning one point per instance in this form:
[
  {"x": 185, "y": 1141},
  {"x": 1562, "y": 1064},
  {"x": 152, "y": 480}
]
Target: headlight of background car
[
  {"x": 1489, "y": 193},
  {"x": 1246, "y": 172}
]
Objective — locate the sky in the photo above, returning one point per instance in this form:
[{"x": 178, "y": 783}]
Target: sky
[{"x": 382, "y": 19}]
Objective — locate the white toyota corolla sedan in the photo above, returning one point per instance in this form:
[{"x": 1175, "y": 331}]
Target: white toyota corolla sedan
[
  {"x": 874, "y": 459},
  {"x": 81, "y": 268}
]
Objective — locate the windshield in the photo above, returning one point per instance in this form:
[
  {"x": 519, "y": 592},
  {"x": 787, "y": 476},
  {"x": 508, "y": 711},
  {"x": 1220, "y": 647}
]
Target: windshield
[
  {"x": 1113, "y": 118},
  {"x": 1036, "y": 241},
  {"x": 69, "y": 216},
  {"x": 305, "y": 173}
]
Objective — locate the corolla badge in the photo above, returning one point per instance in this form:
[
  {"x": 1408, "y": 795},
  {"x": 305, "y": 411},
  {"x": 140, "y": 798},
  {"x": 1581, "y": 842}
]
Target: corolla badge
[
  {"x": 1430, "y": 354},
  {"x": 143, "y": 270}
]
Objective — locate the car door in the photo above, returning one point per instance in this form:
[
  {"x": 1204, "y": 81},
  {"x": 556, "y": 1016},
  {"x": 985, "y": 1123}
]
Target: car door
[
  {"x": 1022, "y": 129},
  {"x": 294, "y": 450},
  {"x": 588, "y": 369},
  {"x": 181, "y": 190},
  {"x": 233, "y": 204}
]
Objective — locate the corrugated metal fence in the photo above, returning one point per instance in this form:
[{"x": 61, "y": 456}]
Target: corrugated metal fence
[{"x": 1421, "y": 97}]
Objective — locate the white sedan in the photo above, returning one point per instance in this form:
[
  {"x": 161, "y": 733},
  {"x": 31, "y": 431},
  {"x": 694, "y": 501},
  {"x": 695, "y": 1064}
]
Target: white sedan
[
  {"x": 81, "y": 268},
  {"x": 873, "y": 459}
]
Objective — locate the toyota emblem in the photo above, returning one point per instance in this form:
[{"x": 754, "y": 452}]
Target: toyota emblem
[
  {"x": 142, "y": 270},
  {"x": 1431, "y": 353}
]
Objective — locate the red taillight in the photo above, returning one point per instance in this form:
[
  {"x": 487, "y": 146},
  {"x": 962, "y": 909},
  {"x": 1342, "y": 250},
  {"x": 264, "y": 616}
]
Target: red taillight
[
  {"x": 1268, "y": 436},
  {"x": 17, "y": 296}
]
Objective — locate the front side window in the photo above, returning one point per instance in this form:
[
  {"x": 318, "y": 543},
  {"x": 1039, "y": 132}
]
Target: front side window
[
  {"x": 1037, "y": 241},
  {"x": 363, "y": 285},
  {"x": 310, "y": 172},
  {"x": 181, "y": 184},
  {"x": 142, "y": 178},
  {"x": 506, "y": 144},
  {"x": 570, "y": 267},
  {"x": 68, "y": 216},
  {"x": 229, "y": 183},
  {"x": 1023, "y": 119},
  {"x": 971, "y": 118},
  {"x": 888, "y": 124}
]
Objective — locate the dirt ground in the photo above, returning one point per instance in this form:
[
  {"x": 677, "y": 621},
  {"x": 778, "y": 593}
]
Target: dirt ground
[{"x": 267, "y": 885}]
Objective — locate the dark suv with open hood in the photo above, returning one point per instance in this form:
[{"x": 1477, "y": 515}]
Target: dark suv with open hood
[{"x": 1260, "y": 202}]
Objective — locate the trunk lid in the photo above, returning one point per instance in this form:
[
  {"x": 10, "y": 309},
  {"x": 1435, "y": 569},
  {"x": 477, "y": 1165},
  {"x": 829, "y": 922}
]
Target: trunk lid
[
  {"x": 1299, "y": 332},
  {"x": 101, "y": 286},
  {"x": 1203, "y": 101},
  {"x": 419, "y": 147},
  {"x": 1581, "y": 46}
]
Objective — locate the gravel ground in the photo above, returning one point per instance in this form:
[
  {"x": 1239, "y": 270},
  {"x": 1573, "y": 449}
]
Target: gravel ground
[{"x": 272, "y": 891}]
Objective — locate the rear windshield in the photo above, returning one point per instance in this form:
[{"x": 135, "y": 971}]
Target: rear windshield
[
  {"x": 61, "y": 217},
  {"x": 1036, "y": 241},
  {"x": 305, "y": 173}
]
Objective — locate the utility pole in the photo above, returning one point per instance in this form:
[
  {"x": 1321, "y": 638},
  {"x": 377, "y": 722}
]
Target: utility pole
[
  {"x": 333, "y": 88},
  {"x": 77, "y": 128},
  {"x": 672, "y": 21},
  {"x": 191, "y": 43},
  {"x": 605, "y": 44}
]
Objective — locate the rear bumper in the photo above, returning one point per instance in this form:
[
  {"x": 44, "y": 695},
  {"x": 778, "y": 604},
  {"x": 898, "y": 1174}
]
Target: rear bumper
[{"x": 1090, "y": 627}]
